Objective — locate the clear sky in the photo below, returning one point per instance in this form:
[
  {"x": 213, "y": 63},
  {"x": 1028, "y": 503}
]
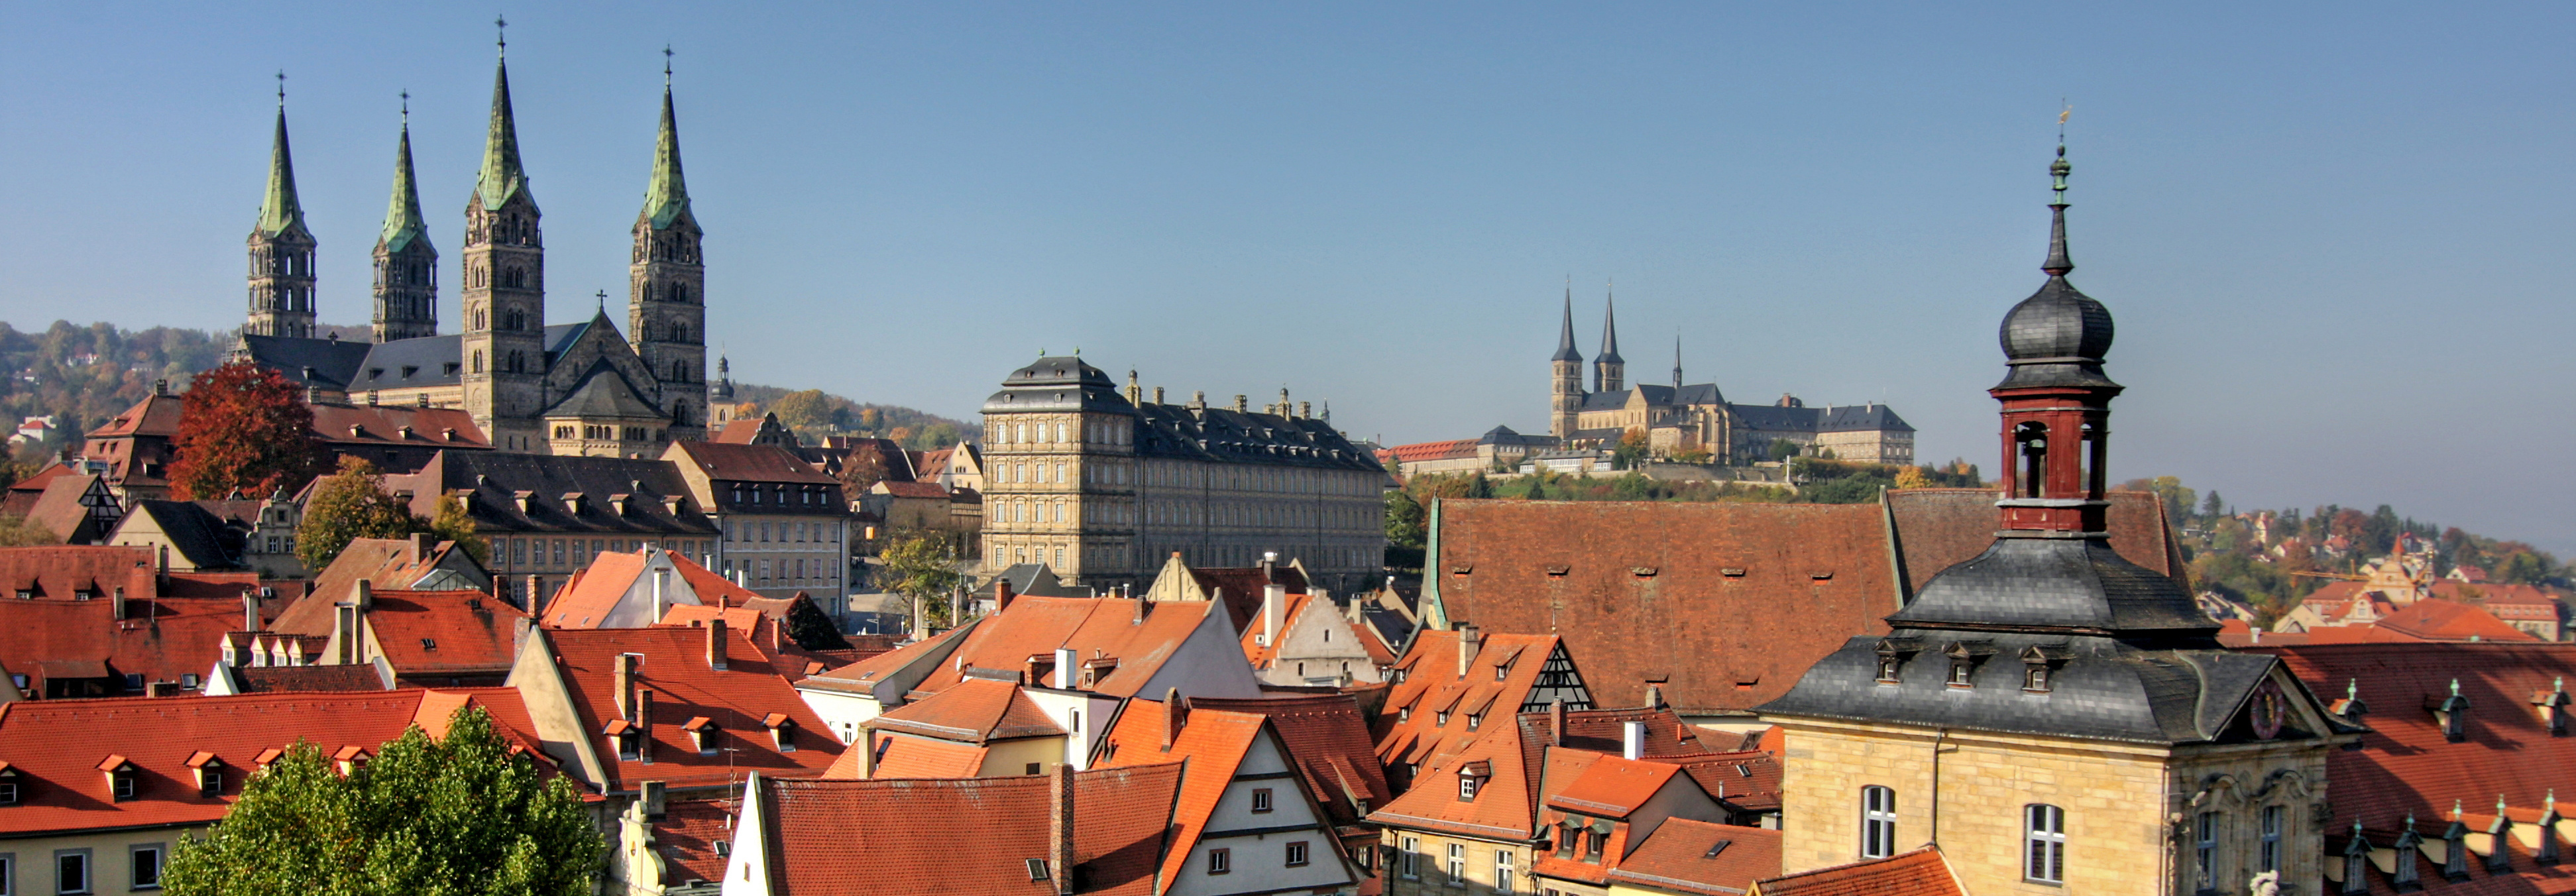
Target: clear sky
[{"x": 2336, "y": 236}]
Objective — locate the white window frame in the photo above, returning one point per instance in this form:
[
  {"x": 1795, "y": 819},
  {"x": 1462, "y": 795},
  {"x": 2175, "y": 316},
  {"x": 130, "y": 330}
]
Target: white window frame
[
  {"x": 2275, "y": 819},
  {"x": 1502, "y": 871},
  {"x": 1457, "y": 864},
  {"x": 1409, "y": 863},
  {"x": 1220, "y": 860},
  {"x": 2204, "y": 851},
  {"x": 1298, "y": 853},
  {"x": 2044, "y": 843},
  {"x": 1877, "y": 822}
]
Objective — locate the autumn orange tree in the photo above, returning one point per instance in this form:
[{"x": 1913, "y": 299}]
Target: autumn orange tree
[{"x": 242, "y": 427}]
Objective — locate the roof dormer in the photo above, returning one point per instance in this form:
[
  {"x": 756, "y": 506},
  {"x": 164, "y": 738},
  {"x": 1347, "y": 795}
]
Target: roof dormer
[
  {"x": 2452, "y": 713},
  {"x": 2552, "y": 705},
  {"x": 209, "y": 770},
  {"x": 121, "y": 777}
]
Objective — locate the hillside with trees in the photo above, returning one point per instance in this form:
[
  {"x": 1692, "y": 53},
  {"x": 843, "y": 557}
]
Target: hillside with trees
[{"x": 815, "y": 414}]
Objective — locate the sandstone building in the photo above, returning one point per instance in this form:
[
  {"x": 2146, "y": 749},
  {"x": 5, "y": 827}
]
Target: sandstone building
[
  {"x": 530, "y": 386},
  {"x": 1102, "y": 486}
]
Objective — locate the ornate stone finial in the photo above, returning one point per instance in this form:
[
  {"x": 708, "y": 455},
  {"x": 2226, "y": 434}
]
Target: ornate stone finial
[
  {"x": 2455, "y": 687},
  {"x": 2455, "y": 809},
  {"x": 2352, "y": 689},
  {"x": 2550, "y": 803},
  {"x": 2558, "y": 685},
  {"x": 2410, "y": 820},
  {"x": 2499, "y": 805}
]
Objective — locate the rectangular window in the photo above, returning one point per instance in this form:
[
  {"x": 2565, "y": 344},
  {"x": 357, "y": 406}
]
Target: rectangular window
[
  {"x": 2046, "y": 860},
  {"x": 1261, "y": 799},
  {"x": 1296, "y": 853},
  {"x": 1502, "y": 871},
  {"x": 1877, "y": 822},
  {"x": 1220, "y": 861},
  {"x": 146, "y": 862},
  {"x": 71, "y": 871},
  {"x": 1457, "y": 864},
  {"x": 2204, "y": 851},
  {"x": 8, "y": 874},
  {"x": 1409, "y": 861},
  {"x": 2270, "y": 860}
]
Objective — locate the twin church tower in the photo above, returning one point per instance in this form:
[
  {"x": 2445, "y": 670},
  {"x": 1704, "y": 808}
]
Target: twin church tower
[{"x": 565, "y": 389}]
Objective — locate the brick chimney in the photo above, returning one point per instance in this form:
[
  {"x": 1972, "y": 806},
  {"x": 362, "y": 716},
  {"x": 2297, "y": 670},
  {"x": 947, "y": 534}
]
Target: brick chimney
[
  {"x": 867, "y": 747},
  {"x": 1469, "y": 641},
  {"x": 1001, "y": 596},
  {"x": 1556, "y": 722},
  {"x": 422, "y": 543},
  {"x": 1176, "y": 713},
  {"x": 1060, "y": 830},
  {"x": 365, "y": 597},
  {"x": 536, "y": 594},
  {"x": 716, "y": 644},
  {"x": 624, "y": 685}
]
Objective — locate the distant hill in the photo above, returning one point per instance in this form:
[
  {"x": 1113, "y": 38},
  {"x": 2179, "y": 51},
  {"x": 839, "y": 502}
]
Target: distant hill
[
  {"x": 86, "y": 375},
  {"x": 814, "y": 413}
]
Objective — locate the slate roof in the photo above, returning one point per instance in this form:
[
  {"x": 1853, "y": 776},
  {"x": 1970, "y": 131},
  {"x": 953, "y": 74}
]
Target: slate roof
[
  {"x": 1212, "y": 434},
  {"x": 324, "y": 363},
  {"x": 1723, "y": 605},
  {"x": 493, "y": 480},
  {"x": 419, "y": 362},
  {"x": 1120, "y": 821},
  {"x": 1701, "y": 857},
  {"x": 2104, "y": 688},
  {"x": 1835, "y": 418},
  {"x": 2071, "y": 584},
  {"x": 195, "y": 533},
  {"x": 605, "y": 393}
]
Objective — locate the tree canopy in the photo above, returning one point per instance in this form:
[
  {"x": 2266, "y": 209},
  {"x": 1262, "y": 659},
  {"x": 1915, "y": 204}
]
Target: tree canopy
[
  {"x": 451, "y": 816},
  {"x": 921, "y": 567},
  {"x": 242, "y": 428},
  {"x": 350, "y": 505}
]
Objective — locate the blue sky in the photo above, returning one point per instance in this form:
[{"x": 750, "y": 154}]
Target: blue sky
[{"x": 2336, "y": 236}]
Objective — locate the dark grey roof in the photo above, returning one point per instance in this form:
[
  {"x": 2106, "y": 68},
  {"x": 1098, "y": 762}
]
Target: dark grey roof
[
  {"x": 2100, "y": 688},
  {"x": 1610, "y": 334},
  {"x": 196, "y": 533},
  {"x": 1565, "y": 335},
  {"x": 1223, "y": 435},
  {"x": 1702, "y": 393},
  {"x": 1861, "y": 418},
  {"x": 2066, "y": 584},
  {"x": 1505, "y": 435},
  {"x": 1055, "y": 383},
  {"x": 495, "y": 478},
  {"x": 326, "y": 363},
  {"x": 1841, "y": 418},
  {"x": 1036, "y": 580},
  {"x": 2058, "y": 336},
  {"x": 605, "y": 393},
  {"x": 560, "y": 337},
  {"x": 409, "y": 363}
]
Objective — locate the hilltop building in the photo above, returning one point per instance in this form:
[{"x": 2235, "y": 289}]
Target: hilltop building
[
  {"x": 1101, "y": 486},
  {"x": 533, "y": 387}
]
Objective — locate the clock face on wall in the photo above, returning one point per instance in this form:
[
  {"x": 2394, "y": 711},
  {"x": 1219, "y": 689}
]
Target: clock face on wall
[{"x": 2269, "y": 708}]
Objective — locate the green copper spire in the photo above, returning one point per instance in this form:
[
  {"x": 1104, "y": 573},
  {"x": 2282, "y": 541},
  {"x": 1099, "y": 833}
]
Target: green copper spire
[
  {"x": 668, "y": 194},
  {"x": 402, "y": 214},
  {"x": 501, "y": 176},
  {"x": 279, "y": 211}
]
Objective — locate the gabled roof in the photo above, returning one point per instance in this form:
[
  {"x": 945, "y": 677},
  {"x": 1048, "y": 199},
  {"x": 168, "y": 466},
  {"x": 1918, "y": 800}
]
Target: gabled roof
[
  {"x": 1120, "y": 821},
  {"x": 194, "y": 532},
  {"x": 736, "y": 700},
  {"x": 1608, "y": 785},
  {"x": 976, "y": 711},
  {"x": 916, "y": 758},
  {"x": 383, "y": 563},
  {"x": 1505, "y": 806},
  {"x": 604, "y": 393},
  {"x": 750, "y": 463},
  {"x": 418, "y": 362},
  {"x": 323, "y": 363},
  {"x": 2434, "y": 619},
  {"x": 1721, "y": 605},
  {"x": 435, "y": 633},
  {"x": 286, "y": 679},
  {"x": 1093, "y": 627},
  {"x": 177, "y": 633},
  {"x": 1921, "y": 872},
  {"x": 1213, "y": 745},
  {"x": 593, "y": 593},
  {"x": 1477, "y": 703},
  {"x": 1241, "y": 586},
  {"x": 60, "y": 572},
  {"x": 155, "y": 415},
  {"x": 396, "y": 426},
  {"x": 492, "y": 481},
  {"x": 1701, "y": 857},
  {"x": 1327, "y": 736}
]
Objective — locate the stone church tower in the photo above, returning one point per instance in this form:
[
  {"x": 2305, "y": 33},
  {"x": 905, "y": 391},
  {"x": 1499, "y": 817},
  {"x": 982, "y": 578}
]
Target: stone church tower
[
  {"x": 1565, "y": 387},
  {"x": 504, "y": 291},
  {"x": 1609, "y": 371},
  {"x": 666, "y": 301},
  {"x": 281, "y": 250},
  {"x": 406, "y": 264}
]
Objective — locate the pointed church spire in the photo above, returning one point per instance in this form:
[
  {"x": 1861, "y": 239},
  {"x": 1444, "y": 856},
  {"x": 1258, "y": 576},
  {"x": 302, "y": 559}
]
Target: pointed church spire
[
  {"x": 1565, "y": 336},
  {"x": 2057, "y": 265},
  {"x": 279, "y": 210},
  {"x": 668, "y": 194},
  {"x": 501, "y": 175},
  {"x": 402, "y": 213},
  {"x": 1677, "y": 362},
  {"x": 1609, "y": 328}
]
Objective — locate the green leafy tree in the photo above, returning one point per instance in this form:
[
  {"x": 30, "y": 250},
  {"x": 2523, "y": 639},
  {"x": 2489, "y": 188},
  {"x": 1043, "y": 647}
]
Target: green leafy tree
[
  {"x": 349, "y": 505},
  {"x": 245, "y": 428},
  {"x": 454, "y": 816},
  {"x": 1631, "y": 450},
  {"x": 920, "y": 566},
  {"x": 807, "y": 410},
  {"x": 453, "y": 524},
  {"x": 1783, "y": 449},
  {"x": 810, "y": 628}
]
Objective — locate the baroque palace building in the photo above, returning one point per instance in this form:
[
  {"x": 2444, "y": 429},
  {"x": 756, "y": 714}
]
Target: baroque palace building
[
  {"x": 1102, "y": 486},
  {"x": 1680, "y": 418},
  {"x": 571, "y": 389},
  {"x": 2054, "y": 717}
]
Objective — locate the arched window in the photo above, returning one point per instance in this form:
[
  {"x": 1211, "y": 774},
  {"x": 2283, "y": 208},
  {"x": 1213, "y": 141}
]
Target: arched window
[
  {"x": 1877, "y": 822},
  {"x": 2032, "y": 441},
  {"x": 2045, "y": 857},
  {"x": 679, "y": 372},
  {"x": 478, "y": 362}
]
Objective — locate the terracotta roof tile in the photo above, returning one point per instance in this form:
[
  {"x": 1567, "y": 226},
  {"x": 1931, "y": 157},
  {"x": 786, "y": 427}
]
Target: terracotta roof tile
[
  {"x": 725, "y": 460},
  {"x": 1410, "y": 725},
  {"x": 1328, "y": 737},
  {"x": 686, "y": 835},
  {"x": 1096, "y": 628},
  {"x": 912, "y": 757},
  {"x": 1120, "y": 820},
  {"x": 977, "y": 711},
  {"x": 1702, "y": 857},
  {"x": 1611, "y": 786},
  {"x": 1921, "y": 872},
  {"x": 1212, "y": 743},
  {"x": 675, "y": 668},
  {"x": 1503, "y": 807},
  {"x": 275, "y": 679},
  {"x": 444, "y": 633}
]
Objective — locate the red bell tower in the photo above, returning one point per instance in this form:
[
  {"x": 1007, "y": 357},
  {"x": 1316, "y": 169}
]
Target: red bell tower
[{"x": 2056, "y": 400}]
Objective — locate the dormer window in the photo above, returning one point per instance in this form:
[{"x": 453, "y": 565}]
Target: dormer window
[
  {"x": 1964, "y": 658},
  {"x": 628, "y": 737},
  {"x": 2453, "y": 714},
  {"x": 1960, "y": 673},
  {"x": 2455, "y": 852},
  {"x": 1887, "y": 666},
  {"x": 1475, "y": 721},
  {"x": 2406, "y": 875},
  {"x": 2039, "y": 664},
  {"x": 1471, "y": 778},
  {"x": 8, "y": 785},
  {"x": 2034, "y": 679},
  {"x": 782, "y": 731},
  {"x": 121, "y": 784},
  {"x": 2552, "y": 704},
  {"x": 704, "y": 734},
  {"x": 210, "y": 774},
  {"x": 352, "y": 759},
  {"x": 1892, "y": 654}
]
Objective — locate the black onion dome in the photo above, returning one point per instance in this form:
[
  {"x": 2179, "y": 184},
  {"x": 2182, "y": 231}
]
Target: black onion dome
[{"x": 2058, "y": 336}]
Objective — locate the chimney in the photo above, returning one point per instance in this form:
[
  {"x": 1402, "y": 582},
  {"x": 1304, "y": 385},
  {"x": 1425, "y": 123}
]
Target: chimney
[
  {"x": 1176, "y": 714},
  {"x": 624, "y": 686},
  {"x": 1654, "y": 696},
  {"x": 1469, "y": 641},
  {"x": 1274, "y": 601},
  {"x": 650, "y": 794},
  {"x": 1158, "y": 395},
  {"x": 1632, "y": 740},
  {"x": 1001, "y": 596},
  {"x": 1305, "y": 409},
  {"x": 116, "y": 602},
  {"x": 1556, "y": 722},
  {"x": 644, "y": 722},
  {"x": 162, "y": 570},
  {"x": 716, "y": 644},
  {"x": 536, "y": 594},
  {"x": 344, "y": 629},
  {"x": 1060, "y": 830},
  {"x": 160, "y": 387},
  {"x": 1270, "y": 566},
  {"x": 657, "y": 596},
  {"x": 867, "y": 746},
  {"x": 1066, "y": 658},
  {"x": 366, "y": 595},
  {"x": 250, "y": 610},
  {"x": 422, "y": 543},
  {"x": 1242, "y": 404}
]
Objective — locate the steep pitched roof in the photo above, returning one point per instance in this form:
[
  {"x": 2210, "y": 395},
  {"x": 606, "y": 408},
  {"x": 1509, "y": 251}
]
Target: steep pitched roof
[
  {"x": 393, "y": 425},
  {"x": 434, "y": 633},
  {"x": 1328, "y": 737},
  {"x": 1608, "y": 785},
  {"x": 2405, "y": 763},
  {"x": 977, "y": 711},
  {"x": 1120, "y": 820},
  {"x": 1433, "y": 711},
  {"x": 61, "y": 572},
  {"x": 1937, "y": 528},
  {"x": 1505, "y": 806},
  {"x": 283, "y": 679},
  {"x": 1241, "y": 587},
  {"x": 381, "y": 562},
  {"x": 594, "y": 591},
  {"x": 155, "y": 415},
  {"x": 162, "y": 638},
  {"x": 1722, "y": 605},
  {"x": 736, "y": 700},
  {"x": 911, "y": 758},
  {"x": 604, "y": 392},
  {"x": 194, "y": 532},
  {"x": 1212, "y": 744},
  {"x": 751, "y": 463},
  {"x": 1701, "y": 857},
  {"x": 2434, "y": 619},
  {"x": 1102, "y": 627}
]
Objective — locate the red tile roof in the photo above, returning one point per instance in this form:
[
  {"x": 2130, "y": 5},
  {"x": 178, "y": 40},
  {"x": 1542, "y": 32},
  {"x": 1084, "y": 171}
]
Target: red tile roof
[
  {"x": 1921, "y": 872},
  {"x": 1096, "y": 628},
  {"x": 976, "y": 711},
  {"x": 917, "y": 490},
  {"x": 594, "y": 592},
  {"x": 161, "y": 639},
  {"x": 433, "y": 634},
  {"x": 56, "y": 747},
  {"x": 2405, "y": 764},
  {"x": 1327, "y": 736},
  {"x": 1410, "y": 728},
  {"x": 1422, "y": 451},
  {"x": 730, "y": 461},
  {"x": 1939, "y": 527},
  {"x": 1504, "y": 807},
  {"x": 1701, "y": 857},
  {"x": 1212, "y": 743},
  {"x": 1723, "y": 605},
  {"x": 675, "y": 668},
  {"x": 381, "y": 562},
  {"x": 281, "y": 679},
  {"x": 57, "y": 572},
  {"x": 687, "y": 834},
  {"x": 2434, "y": 619},
  {"x": 909, "y": 757},
  {"x": 350, "y": 426},
  {"x": 1240, "y": 587},
  {"x": 914, "y": 843},
  {"x": 155, "y": 415},
  {"x": 1609, "y": 785}
]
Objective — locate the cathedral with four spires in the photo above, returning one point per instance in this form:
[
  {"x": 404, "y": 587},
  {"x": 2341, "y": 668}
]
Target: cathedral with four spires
[{"x": 570, "y": 389}]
